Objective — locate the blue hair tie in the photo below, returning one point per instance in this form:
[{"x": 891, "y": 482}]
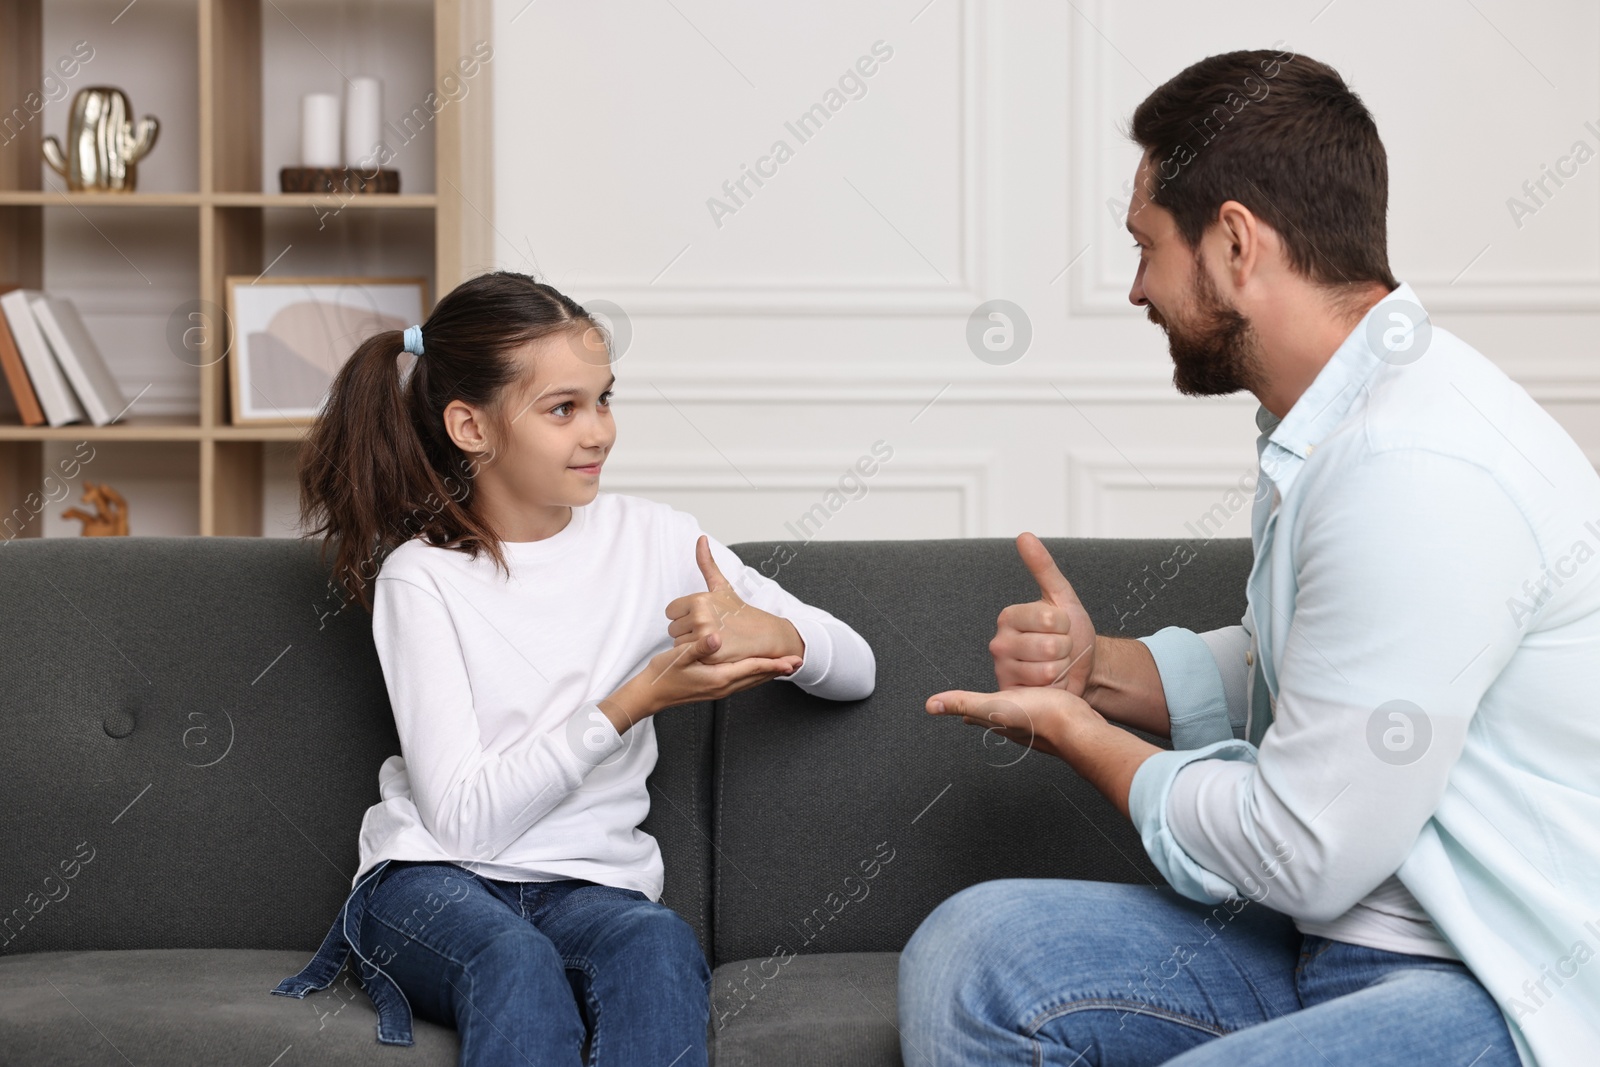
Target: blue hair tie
[{"x": 414, "y": 340}]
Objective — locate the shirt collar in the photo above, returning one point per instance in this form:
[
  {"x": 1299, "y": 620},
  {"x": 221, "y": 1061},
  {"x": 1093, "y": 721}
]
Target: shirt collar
[{"x": 1327, "y": 399}]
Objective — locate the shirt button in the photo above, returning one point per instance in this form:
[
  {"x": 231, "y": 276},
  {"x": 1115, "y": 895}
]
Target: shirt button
[{"x": 1249, "y": 658}]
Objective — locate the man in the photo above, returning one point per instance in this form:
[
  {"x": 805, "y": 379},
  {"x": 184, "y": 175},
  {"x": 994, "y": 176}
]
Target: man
[{"x": 1380, "y": 817}]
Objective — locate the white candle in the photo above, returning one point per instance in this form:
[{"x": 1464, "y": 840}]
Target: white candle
[
  {"x": 363, "y": 123},
  {"x": 319, "y": 130}
]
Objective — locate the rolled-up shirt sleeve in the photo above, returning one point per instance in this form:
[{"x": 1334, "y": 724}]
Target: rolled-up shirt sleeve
[
  {"x": 1203, "y": 677},
  {"x": 1405, "y": 565}
]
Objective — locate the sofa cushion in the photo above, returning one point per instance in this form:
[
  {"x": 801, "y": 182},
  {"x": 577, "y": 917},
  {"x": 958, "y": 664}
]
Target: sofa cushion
[
  {"x": 840, "y": 826},
  {"x": 822, "y": 1010},
  {"x": 195, "y": 729},
  {"x": 206, "y": 1006},
  {"x": 192, "y": 1006}
]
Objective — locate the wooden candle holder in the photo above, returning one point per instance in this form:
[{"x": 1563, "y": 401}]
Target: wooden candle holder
[{"x": 337, "y": 180}]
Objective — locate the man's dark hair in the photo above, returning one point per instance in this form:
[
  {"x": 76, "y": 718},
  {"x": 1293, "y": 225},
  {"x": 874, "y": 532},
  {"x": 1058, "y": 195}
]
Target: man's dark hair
[{"x": 1284, "y": 136}]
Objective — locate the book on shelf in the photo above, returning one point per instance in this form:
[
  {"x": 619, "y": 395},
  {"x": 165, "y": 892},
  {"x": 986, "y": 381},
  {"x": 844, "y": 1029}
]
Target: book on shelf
[
  {"x": 49, "y": 385},
  {"x": 28, "y": 409},
  {"x": 51, "y": 363},
  {"x": 79, "y": 357}
]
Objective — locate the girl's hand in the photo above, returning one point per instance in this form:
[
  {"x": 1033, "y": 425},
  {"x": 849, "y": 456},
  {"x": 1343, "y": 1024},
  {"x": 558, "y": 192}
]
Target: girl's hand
[
  {"x": 680, "y": 675},
  {"x": 726, "y": 627}
]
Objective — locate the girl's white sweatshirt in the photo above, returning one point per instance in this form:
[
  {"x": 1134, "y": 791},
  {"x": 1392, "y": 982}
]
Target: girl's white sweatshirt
[{"x": 506, "y": 765}]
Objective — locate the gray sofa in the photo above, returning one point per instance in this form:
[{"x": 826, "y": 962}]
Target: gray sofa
[{"x": 193, "y": 731}]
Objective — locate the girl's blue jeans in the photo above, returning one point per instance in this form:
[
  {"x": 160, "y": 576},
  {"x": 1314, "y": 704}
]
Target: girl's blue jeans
[
  {"x": 563, "y": 972},
  {"x": 1046, "y": 971}
]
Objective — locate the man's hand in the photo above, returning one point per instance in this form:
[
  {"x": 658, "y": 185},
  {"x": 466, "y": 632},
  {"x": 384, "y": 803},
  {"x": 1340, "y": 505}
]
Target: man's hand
[
  {"x": 1049, "y": 642},
  {"x": 1040, "y": 717},
  {"x": 1060, "y": 724},
  {"x": 727, "y": 628}
]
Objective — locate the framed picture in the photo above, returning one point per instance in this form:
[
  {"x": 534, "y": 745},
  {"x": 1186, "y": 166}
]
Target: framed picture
[{"x": 290, "y": 336}]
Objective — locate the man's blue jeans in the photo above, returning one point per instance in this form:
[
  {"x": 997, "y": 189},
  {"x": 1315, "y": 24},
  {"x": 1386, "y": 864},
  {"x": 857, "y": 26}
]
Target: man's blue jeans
[
  {"x": 529, "y": 972},
  {"x": 1046, "y": 971}
]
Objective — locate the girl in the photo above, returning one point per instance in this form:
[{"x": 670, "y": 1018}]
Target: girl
[{"x": 528, "y": 626}]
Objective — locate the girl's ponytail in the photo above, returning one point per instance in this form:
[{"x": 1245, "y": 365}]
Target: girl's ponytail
[{"x": 378, "y": 467}]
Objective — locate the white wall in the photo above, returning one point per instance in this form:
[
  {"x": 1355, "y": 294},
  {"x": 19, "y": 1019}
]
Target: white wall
[{"x": 772, "y": 350}]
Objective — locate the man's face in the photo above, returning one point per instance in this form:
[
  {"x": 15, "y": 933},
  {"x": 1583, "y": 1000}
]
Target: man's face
[{"x": 1214, "y": 349}]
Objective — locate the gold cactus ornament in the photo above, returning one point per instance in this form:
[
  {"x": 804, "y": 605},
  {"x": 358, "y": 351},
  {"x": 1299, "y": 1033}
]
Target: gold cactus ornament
[{"x": 103, "y": 143}]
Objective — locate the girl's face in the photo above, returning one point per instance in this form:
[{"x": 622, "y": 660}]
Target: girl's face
[{"x": 557, "y": 433}]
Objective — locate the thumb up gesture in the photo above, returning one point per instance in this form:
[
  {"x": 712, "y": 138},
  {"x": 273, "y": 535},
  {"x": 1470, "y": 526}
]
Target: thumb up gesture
[
  {"x": 722, "y": 626},
  {"x": 1046, "y": 642}
]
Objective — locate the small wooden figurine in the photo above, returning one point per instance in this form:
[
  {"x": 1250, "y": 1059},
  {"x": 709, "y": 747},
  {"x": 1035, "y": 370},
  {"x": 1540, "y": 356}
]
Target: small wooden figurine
[{"x": 110, "y": 516}]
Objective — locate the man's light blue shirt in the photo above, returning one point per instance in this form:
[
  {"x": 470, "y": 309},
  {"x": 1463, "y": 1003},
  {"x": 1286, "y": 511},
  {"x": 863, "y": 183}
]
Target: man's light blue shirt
[{"x": 1412, "y": 698}]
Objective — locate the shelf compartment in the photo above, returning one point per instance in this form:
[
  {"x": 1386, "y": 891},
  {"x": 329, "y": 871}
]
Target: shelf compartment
[
  {"x": 314, "y": 45},
  {"x": 148, "y": 50},
  {"x": 135, "y": 279},
  {"x": 364, "y": 244},
  {"x": 41, "y": 479}
]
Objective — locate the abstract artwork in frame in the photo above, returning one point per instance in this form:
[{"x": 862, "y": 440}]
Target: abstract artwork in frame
[{"x": 290, "y": 336}]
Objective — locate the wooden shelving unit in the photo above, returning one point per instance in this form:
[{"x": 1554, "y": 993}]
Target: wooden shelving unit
[{"x": 230, "y": 207}]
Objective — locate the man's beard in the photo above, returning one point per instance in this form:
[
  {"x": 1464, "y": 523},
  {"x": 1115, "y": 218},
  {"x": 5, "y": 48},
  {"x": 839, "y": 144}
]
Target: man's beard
[{"x": 1217, "y": 354}]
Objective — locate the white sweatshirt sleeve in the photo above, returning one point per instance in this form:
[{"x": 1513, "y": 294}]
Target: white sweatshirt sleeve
[
  {"x": 474, "y": 802},
  {"x": 838, "y": 663}
]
